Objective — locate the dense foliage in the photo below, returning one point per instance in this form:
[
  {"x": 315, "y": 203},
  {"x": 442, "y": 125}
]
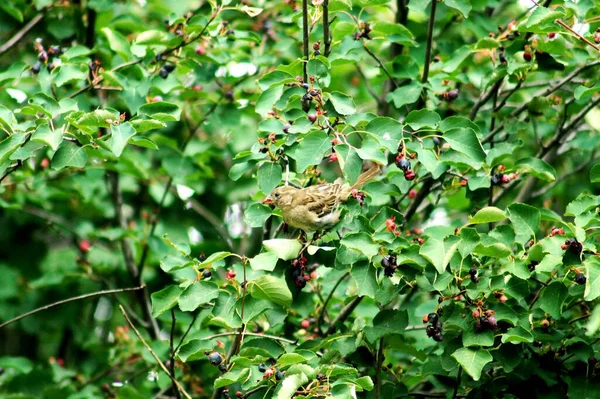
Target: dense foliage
[{"x": 139, "y": 138}]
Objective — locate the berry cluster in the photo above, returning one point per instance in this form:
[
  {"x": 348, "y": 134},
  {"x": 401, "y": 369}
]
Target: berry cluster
[
  {"x": 365, "y": 30},
  {"x": 557, "y": 232},
  {"x": 317, "y": 48},
  {"x": 473, "y": 275},
  {"x": 216, "y": 359},
  {"x": 573, "y": 245},
  {"x": 389, "y": 263},
  {"x": 45, "y": 56},
  {"x": 404, "y": 164},
  {"x": 301, "y": 273},
  {"x": 166, "y": 70},
  {"x": 390, "y": 225},
  {"x": 500, "y": 297},
  {"x": 434, "y": 330},
  {"x": 500, "y": 178},
  {"x": 449, "y": 95},
  {"x": 359, "y": 196},
  {"x": 484, "y": 320},
  {"x": 269, "y": 372}
]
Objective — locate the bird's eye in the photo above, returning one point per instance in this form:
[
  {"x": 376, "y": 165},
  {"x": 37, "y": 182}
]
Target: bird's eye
[{"x": 276, "y": 195}]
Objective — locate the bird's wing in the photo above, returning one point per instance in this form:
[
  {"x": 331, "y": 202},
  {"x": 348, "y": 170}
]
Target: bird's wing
[{"x": 323, "y": 199}]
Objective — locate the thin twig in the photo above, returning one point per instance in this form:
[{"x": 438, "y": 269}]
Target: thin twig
[
  {"x": 343, "y": 315},
  {"x": 487, "y": 97},
  {"x": 567, "y": 27},
  {"x": 305, "y": 38},
  {"x": 498, "y": 107},
  {"x": 430, "y": 27},
  {"x": 421, "y": 195},
  {"x": 160, "y": 363},
  {"x": 326, "y": 34},
  {"x": 374, "y": 56},
  {"x": 187, "y": 332},
  {"x": 22, "y": 32},
  {"x": 324, "y": 308},
  {"x": 75, "y": 298},
  {"x": 211, "y": 218},
  {"x": 249, "y": 393},
  {"x": 457, "y": 385},
  {"x": 127, "y": 250},
  {"x": 172, "y": 350},
  {"x": 250, "y": 334},
  {"x": 379, "y": 363}
]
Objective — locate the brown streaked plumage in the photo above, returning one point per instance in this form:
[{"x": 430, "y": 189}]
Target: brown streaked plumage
[{"x": 316, "y": 207}]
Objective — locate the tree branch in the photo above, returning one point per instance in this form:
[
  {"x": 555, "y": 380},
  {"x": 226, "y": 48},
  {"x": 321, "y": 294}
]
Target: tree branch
[
  {"x": 487, "y": 97},
  {"x": 75, "y": 298},
  {"x": 430, "y": 26},
  {"x": 127, "y": 249},
  {"x": 23, "y": 31},
  {"x": 160, "y": 363},
  {"x": 172, "y": 350},
  {"x": 372, "y": 54},
  {"x": 324, "y": 308},
  {"x": 344, "y": 313},
  {"x": 326, "y": 33},
  {"x": 305, "y": 38}
]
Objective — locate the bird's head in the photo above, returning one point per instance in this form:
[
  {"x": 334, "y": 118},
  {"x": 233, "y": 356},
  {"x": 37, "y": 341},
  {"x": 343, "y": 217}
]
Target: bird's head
[{"x": 281, "y": 197}]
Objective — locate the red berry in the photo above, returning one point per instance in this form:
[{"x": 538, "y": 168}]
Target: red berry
[
  {"x": 200, "y": 50},
  {"x": 312, "y": 118},
  {"x": 476, "y": 313},
  {"x": 409, "y": 175},
  {"x": 545, "y": 323},
  {"x": 390, "y": 224},
  {"x": 45, "y": 163},
  {"x": 268, "y": 373},
  {"x": 425, "y": 318},
  {"x": 505, "y": 179},
  {"x": 197, "y": 87},
  {"x": 156, "y": 99},
  {"x": 314, "y": 275},
  {"x": 412, "y": 194},
  {"x": 305, "y": 323},
  {"x": 333, "y": 157},
  {"x": 230, "y": 275},
  {"x": 502, "y": 299},
  {"x": 527, "y": 56},
  {"x": 551, "y": 35},
  {"x": 239, "y": 394},
  {"x": 84, "y": 245},
  {"x": 463, "y": 182}
]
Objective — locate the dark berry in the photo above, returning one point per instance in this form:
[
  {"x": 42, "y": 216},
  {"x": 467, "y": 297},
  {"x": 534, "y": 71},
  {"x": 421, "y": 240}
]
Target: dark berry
[
  {"x": 207, "y": 274},
  {"x": 440, "y": 311},
  {"x": 389, "y": 271},
  {"x": 576, "y": 247},
  {"x": 300, "y": 282},
  {"x": 436, "y": 141},
  {"x": 312, "y": 118},
  {"x": 215, "y": 358},
  {"x": 580, "y": 278},
  {"x": 438, "y": 337},
  {"x": 436, "y": 59},
  {"x": 286, "y": 128},
  {"x": 438, "y": 325},
  {"x": 527, "y": 56},
  {"x": 388, "y": 261},
  {"x": 403, "y": 164},
  {"x": 430, "y": 330},
  {"x": 163, "y": 73},
  {"x": 531, "y": 266},
  {"x": 496, "y": 179},
  {"x": 317, "y": 52},
  {"x": 262, "y": 367},
  {"x": 169, "y": 68},
  {"x": 432, "y": 318},
  {"x": 222, "y": 368},
  {"x": 474, "y": 279},
  {"x": 473, "y": 271},
  {"x": 278, "y": 375},
  {"x": 451, "y": 95},
  {"x": 36, "y": 68},
  {"x": 320, "y": 376},
  {"x": 307, "y": 97}
]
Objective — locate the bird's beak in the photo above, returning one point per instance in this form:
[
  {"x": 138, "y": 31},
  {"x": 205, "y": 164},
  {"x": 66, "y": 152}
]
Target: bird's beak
[{"x": 268, "y": 201}]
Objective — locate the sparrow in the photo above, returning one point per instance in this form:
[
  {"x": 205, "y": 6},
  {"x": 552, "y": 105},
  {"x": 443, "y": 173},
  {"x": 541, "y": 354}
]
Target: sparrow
[{"x": 317, "y": 207}]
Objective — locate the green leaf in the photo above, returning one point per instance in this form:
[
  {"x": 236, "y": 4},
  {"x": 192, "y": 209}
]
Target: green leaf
[
  {"x": 464, "y": 6},
  {"x": 165, "y": 299},
  {"x": 217, "y": 256},
  {"x": 439, "y": 252},
  {"x": 151, "y": 37},
  {"x": 117, "y": 43},
  {"x": 20, "y": 364},
  {"x": 525, "y": 220},
  {"x": 387, "y": 322},
  {"x": 537, "y": 168},
  {"x": 256, "y": 215},
  {"x": 45, "y": 135},
  {"x": 595, "y": 174},
  {"x": 194, "y": 350},
  {"x": 488, "y": 214},
  {"x": 285, "y": 249},
  {"x": 592, "y": 284},
  {"x": 552, "y": 299},
  {"x": 310, "y": 150},
  {"x": 583, "y": 203},
  {"x": 272, "y": 289},
  {"x": 10, "y": 145},
  {"x": 231, "y": 377},
  {"x": 120, "y": 134},
  {"x": 541, "y": 16},
  {"x": 405, "y": 95},
  {"x": 361, "y": 242},
  {"x": 265, "y": 261},
  {"x": 287, "y": 388},
  {"x": 422, "y": 118},
  {"x": 465, "y": 140},
  {"x": 97, "y": 118},
  {"x": 275, "y": 78},
  {"x": 517, "y": 335},
  {"x": 472, "y": 338},
  {"x": 387, "y": 130},
  {"x": 69, "y": 154},
  {"x": 269, "y": 175},
  {"x": 197, "y": 294},
  {"x": 161, "y": 110},
  {"x": 342, "y": 103},
  {"x": 288, "y": 359},
  {"x": 366, "y": 281},
  {"x": 472, "y": 360}
]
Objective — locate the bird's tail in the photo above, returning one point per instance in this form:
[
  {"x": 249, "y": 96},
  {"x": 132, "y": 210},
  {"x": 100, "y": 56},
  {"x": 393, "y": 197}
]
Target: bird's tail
[{"x": 365, "y": 177}]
